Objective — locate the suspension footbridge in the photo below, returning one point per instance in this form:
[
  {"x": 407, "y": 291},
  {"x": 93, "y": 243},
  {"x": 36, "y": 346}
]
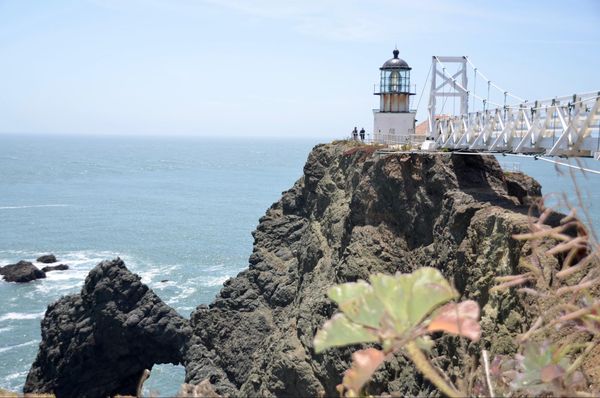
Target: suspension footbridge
[{"x": 567, "y": 126}]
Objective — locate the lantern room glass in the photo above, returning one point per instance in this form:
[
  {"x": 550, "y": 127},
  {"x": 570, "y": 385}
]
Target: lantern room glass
[{"x": 395, "y": 81}]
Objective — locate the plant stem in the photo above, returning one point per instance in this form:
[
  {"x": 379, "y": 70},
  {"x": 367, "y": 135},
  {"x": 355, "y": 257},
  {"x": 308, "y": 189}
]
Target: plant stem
[
  {"x": 423, "y": 365},
  {"x": 486, "y": 366},
  {"x": 581, "y": 357}
]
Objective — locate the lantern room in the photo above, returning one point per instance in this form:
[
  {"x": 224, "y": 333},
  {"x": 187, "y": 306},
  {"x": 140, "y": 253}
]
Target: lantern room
[
  {"x": 395, "y": 75},
  {"x": 394, "y": 85}
]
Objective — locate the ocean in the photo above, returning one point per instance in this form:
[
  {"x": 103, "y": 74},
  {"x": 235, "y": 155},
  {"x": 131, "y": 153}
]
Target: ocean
[{"x": 174, "y": 208}]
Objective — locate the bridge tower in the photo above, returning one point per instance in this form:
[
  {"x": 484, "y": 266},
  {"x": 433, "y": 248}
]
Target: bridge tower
[
  {"x": 449, "y": 86},
  {"x": 394, "y": 121}
]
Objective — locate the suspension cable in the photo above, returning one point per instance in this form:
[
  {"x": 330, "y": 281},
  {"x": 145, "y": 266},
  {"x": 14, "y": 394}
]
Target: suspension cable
[
  {"x": 488, "y": 97},
  {"x": 570, "y": 165},
  {"x": 444, "y": 91},
  {"x": 491, "y": 83},
  {"x": 474, "y": 87},
  {"x": 566, "y": 97},
  {"x": 454, "y": 100},
  {"x": 541, "y": 107},
  {"x": 424, "y": 85}
]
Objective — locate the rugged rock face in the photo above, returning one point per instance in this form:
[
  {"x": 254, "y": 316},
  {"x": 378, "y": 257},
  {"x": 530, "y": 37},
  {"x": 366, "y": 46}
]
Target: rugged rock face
[
  {"x": 47, "y": 259},
  {"x": 98, "y": 343},
  {"x": 523, "y": 187},
  {"x": 23, "y": 271},
  {"x": 350, "y": 215},
  {"x": 59, "y": 267}
]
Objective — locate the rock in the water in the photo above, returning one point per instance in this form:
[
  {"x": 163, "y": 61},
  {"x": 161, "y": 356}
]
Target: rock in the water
[
  {"x": 59, "y": 267},
  {"x": 23, "y": 271},
  {"x": 99, "y": 342},
  {"x": 47, "y": 259}
]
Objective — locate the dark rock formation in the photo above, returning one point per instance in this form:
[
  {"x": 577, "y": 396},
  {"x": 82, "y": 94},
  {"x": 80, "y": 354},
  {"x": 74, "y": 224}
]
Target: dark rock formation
[
  {"x": 99, "y": 342},
  {"x": 47, "y": 259},
  {"x": 353, "y": 213},
  {"x": 350, "y": 215},
  {"x": 59, "y": 267},
  {"x": 23, "y": 271},
  {"x": 523, "y": 187}
]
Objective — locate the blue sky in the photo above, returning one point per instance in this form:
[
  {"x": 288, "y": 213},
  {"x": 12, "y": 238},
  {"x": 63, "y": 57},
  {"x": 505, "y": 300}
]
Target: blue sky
[{"x": 267, "y": 67}]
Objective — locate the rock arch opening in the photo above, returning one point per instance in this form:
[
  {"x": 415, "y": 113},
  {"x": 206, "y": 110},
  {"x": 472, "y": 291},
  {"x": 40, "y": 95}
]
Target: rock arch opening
[{"x": 165, "y": 380}]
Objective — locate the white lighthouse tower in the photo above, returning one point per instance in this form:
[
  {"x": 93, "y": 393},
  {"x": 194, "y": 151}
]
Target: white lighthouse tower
[{"x": 394, "y": 120}]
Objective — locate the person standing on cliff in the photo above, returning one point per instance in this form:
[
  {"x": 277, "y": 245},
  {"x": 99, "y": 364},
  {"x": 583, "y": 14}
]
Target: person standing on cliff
[
  {"x": 362, "y": 134},
  {"x": 355, "y": 134}
]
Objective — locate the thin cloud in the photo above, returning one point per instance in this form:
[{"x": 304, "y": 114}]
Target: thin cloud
[
  {"x": 330, "y": 19},
  {"x": 352, "y": 20}
]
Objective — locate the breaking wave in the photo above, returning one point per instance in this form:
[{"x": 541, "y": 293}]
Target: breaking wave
[
  {"x": 31, "y": 206},
  {"x": 17, "y": 316}
]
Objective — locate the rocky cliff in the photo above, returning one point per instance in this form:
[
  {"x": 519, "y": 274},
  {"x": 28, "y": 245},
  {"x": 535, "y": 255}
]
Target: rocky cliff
[{"x": 352, "y": 213}]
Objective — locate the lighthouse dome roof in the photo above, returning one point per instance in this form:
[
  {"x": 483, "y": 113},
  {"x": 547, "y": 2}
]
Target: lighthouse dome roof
[{"x": 395, "y": 63}]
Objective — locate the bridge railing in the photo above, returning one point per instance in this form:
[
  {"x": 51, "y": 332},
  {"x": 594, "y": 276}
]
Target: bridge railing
[
  {"x": 410, "y": 140},
  {"x": 564, "y": 126}
]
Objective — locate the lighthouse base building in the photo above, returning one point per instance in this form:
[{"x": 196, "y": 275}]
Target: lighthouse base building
[
  {"x": 394, "y": 121},
  {"x": 393, "y": 128}
]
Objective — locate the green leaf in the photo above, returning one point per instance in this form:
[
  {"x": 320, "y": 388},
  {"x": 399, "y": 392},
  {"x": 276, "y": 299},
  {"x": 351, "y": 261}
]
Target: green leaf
[
  {"x": 394, "y": 297},
  {"x": 383, "y": 310},
  {"x": 340, "y": 331},
  {"x": 429, "y": 290},
  {"x": 409, "y": 298},
  {"x": 358, "y": 302},
  {"x": 348, "y": 291}
]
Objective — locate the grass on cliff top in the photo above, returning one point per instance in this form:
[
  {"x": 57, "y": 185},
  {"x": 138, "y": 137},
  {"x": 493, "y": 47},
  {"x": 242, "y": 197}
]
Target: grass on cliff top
[{"x": 364, "y": 149}]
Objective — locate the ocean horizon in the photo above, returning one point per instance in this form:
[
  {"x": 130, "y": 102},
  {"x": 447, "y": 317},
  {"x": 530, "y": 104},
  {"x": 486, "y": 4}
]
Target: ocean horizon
[{"x": 178, "y": 210}]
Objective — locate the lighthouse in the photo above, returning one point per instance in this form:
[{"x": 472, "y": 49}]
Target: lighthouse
[{"x": 394, "y": 121}]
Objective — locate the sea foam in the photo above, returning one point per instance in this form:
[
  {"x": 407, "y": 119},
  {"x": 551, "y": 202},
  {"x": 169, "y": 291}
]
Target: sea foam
[
  {"x": 17, "y": 316},
  {"x": 28, "y": 343},
  {"x": 31, "y": 206}
]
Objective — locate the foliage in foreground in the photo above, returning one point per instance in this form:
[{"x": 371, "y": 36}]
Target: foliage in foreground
[
  {"x": 566, "y": 300},
  {"x": 397, "y": 313}
]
